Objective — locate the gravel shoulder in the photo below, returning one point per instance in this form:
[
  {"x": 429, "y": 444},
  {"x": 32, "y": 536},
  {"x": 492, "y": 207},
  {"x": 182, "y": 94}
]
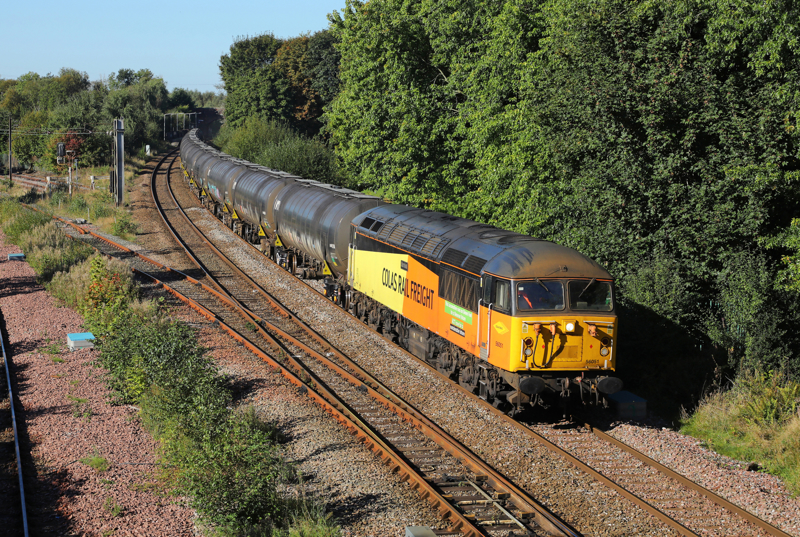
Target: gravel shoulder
[{"x": 66, "y": 418}]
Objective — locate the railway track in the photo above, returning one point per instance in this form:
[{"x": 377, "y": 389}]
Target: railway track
[
  {"x": 13, "y": 510},
  {"x": 688, "y": 507},
  {"x": 470, "y": 495},
  {"x": 478, "y": 499},
  {"x": 685, "y": 506},
  {"x": 691, "y": 511}
]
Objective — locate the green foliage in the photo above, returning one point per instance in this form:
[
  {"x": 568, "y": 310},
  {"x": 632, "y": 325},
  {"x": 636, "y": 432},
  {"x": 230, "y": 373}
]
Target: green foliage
[
  {"x": 16, "y": 220},
  {"x": 28, "y": 149},
  {"x": 657, "y": 138},
  {"x": 207, "y": 99},
  {"x": 78, "y": 112},
  {"x": 48, "y": 251},
  {"x": 756, "y": 419},
  {"x": 141, "y": 103},
  {"x": 32, "y": 92},
  {"x": 113, "y": 508},
  {"x": 233, "y": 477},
  {"x": 321, "y": 64},
  {"x": 124, "y": 224},
  {"x": 100, "y": 464},
  {"x": 280, "y": 79},
  {"x": 179, "y": 97},
  {"x": 276, "y": 145},
  {"x": 110, "y": 291}
]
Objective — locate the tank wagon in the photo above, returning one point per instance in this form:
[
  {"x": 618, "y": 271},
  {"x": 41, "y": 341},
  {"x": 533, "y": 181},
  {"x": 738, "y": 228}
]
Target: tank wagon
[{"x": 512, "y": 318}]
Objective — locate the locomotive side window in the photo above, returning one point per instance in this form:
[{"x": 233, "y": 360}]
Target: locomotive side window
[
  {"x": 459, "y": 289},
  {"x": 502, "y": 296},
  {"x": 539, "y": 295},
  {"x": 487, "y": 284},
  {"x": 592, "y": 295}
]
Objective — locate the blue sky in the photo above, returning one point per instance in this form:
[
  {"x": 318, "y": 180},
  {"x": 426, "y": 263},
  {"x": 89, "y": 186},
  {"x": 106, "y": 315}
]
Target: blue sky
[{"x": 179, "y": 41}]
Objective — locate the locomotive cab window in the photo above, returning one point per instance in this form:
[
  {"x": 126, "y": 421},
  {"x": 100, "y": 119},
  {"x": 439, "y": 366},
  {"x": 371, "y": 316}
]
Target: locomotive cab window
[
  {"x": 540, "y": 295},
  {"x": 497, "y": 292},
  {"x": 591, "y": 295},
  {"x": 502, "y": 296}
]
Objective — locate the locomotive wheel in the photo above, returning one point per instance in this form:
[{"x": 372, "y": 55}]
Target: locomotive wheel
[
  {"x": 468, "y": 377},
  {"x": 374, "y": 319},
  {"x": 447, "y": 364}
]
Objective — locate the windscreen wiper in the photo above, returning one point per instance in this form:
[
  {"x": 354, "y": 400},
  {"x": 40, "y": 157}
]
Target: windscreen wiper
[
  {"x": 585, "y": 288},
  {"x": 544, "y": 286}
]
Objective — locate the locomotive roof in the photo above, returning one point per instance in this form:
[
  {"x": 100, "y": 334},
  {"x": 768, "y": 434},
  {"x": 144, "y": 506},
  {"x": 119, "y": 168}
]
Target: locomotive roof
[{"x": 475, "y": 247}]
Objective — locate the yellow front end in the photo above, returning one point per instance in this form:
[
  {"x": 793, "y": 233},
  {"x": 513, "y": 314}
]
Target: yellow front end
[{"x": 549, "y": 343}]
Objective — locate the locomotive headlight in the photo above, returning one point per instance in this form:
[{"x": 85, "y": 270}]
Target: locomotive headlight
[
  {"x": 528, "y": 352},
  {"x": 604, "y": 352},
  {"x": 570, "y": 327}
]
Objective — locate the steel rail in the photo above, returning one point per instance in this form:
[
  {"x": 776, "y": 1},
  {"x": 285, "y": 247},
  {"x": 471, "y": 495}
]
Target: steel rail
[
  {"x": 340, "y": 411},
  {"x": 719, "y": 500},
  {"x": 6, "y": 358},
  {"x": 375, "y": 389},
  {"x": 327, "y": 399},
  {"x": 642, "y": 503}
]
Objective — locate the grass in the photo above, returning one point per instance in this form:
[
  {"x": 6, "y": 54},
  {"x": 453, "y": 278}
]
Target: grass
[
  {"x": 755, "y": 420},
  {"x": 113, "y": 508},
  {"x": 53, "y": 350},
  {"x": 97, "y": 462}
]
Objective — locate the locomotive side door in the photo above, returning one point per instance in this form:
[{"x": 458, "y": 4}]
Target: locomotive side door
[
  {"x": 496, "y": 297},
  {"x": 485, "y": 315}
]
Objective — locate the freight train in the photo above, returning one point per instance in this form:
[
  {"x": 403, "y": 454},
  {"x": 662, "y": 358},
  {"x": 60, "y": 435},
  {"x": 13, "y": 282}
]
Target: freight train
[{"x": 517, "y": 320}]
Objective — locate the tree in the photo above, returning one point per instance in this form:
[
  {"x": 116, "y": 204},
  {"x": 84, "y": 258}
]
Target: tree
[
  {"x": 181, "y": 98},
  {"x": 29, "y": 149},
  {"x": 659, "y": 139},
  {"x": 322, "y": 64},
  {"x": 247, "y": 55},
  {"x": 291, "y": 64}
]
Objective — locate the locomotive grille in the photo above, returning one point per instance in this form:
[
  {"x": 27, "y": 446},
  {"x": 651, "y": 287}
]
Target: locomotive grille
[
  {"x": 367, "y": 223},
  {"x": 398, "y": 234},
  {"x": 434, "y": 246},
  {"x": 474, "y": 264},
  {"x": 386, "y": 231},
  {"x": 409, "y": 238},
  {"x": 454, "y": 257}
]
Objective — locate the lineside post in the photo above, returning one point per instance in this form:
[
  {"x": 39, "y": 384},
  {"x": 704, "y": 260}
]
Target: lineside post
[
  {"x": 119, "y": 163},
  {"x": 9, "y": 148}
]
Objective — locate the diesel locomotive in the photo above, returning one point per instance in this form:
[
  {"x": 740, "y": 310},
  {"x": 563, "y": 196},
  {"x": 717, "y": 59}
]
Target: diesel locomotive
[{"x": 517, "y": 320}]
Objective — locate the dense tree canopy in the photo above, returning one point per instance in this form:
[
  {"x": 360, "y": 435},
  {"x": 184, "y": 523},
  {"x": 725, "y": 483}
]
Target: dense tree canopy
[
  {"x": 69, "y": 104},
  {"x": 289, "y": 80},
  {"x": 658, "y": 138}
]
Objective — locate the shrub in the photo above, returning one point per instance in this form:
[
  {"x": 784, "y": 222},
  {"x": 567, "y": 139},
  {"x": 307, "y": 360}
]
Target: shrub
[
  {"x": 70, "y": 286},
  {"x": 49, "y": 251},
  {"x": 754, "y": 420},
  {"x": 124, "y": 224},
  {"x": 78, "y": 204},
  {"x": 276, "y": 145},
  {"x": 233, "y": 478},
  {"x": 16, "y": 220}
]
